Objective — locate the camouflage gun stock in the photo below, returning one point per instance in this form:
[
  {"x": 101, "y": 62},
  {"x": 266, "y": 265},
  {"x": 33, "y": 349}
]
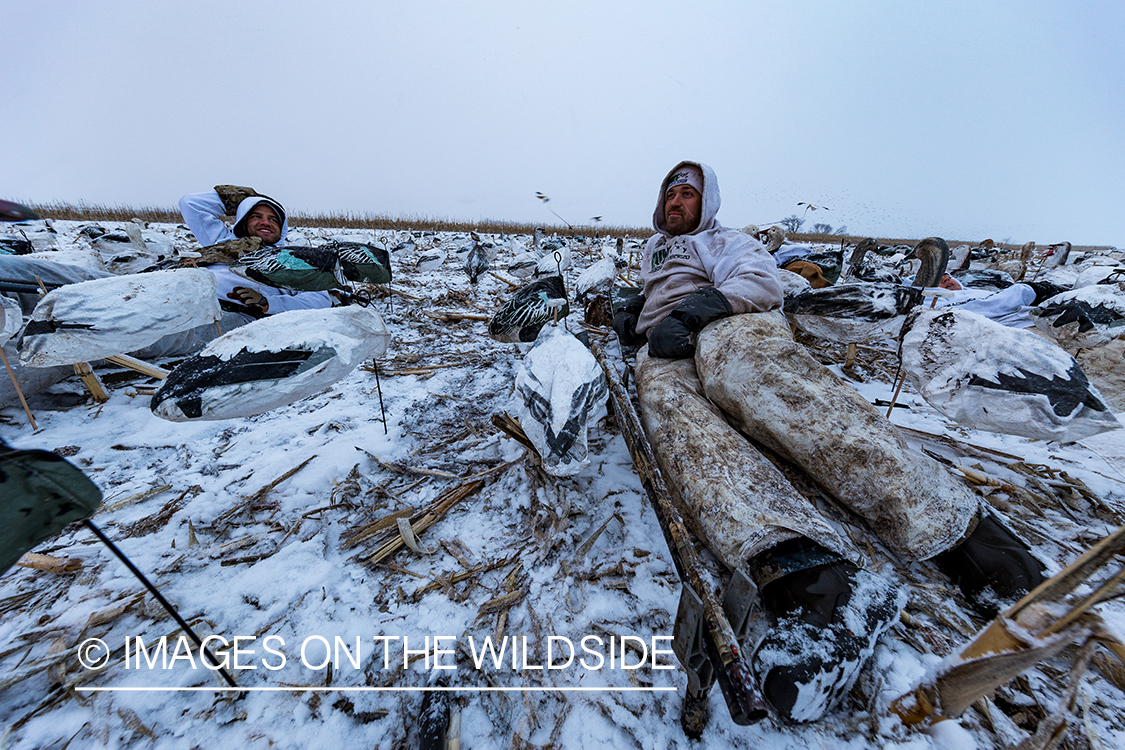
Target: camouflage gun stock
[{"x": 705, "y": 641}]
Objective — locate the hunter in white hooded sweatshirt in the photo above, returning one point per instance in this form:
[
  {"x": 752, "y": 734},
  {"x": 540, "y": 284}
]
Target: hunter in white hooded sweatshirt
[
  {"x": 712, "y": 375},
  {"x": 202, "y": 213}
]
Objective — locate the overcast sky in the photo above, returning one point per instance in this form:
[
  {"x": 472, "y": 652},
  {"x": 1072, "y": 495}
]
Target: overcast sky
[{"x": 960, "y": 119}]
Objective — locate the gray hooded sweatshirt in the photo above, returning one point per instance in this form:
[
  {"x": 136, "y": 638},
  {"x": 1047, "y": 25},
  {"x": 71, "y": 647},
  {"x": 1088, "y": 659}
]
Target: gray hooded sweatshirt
[{"x": 711, "y": 255}]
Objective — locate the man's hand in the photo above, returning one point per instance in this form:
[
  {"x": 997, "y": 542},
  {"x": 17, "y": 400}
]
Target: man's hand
[
  {"x": 625, "y": 321},
  {"x": 232, "y": 195},
  {"x": 250, "y": 298},
  {"x": 672, "y": 338}
]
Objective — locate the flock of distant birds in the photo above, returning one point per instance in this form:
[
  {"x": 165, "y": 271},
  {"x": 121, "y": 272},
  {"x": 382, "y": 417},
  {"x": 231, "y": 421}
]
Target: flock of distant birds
[{"x": 976, "y": 371}]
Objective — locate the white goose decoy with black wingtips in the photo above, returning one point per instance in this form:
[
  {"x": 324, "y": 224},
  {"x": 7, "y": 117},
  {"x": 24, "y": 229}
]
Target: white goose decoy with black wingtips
[
  {"x": 561, "y": 392},
  {"x": 1083, "y": 318},
  {"x": 987, "y": 376}
]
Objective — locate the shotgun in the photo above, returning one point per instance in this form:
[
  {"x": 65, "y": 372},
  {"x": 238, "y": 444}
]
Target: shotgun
[{"x": 705, "y": 641}]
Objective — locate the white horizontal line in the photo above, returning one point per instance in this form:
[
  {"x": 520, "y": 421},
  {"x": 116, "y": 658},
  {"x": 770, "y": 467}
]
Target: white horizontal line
[{"x": 374, "y": 689}]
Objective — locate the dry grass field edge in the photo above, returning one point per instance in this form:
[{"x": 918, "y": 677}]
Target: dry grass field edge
[{"x": 159, "y": 214}]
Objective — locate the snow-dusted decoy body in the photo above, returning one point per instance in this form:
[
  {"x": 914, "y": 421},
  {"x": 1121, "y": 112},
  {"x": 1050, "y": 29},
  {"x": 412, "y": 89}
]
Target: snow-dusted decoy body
[
  {"x": 11, "y": 318},
  {"x": 524, "y": 264},
  {"x": 853, "y": 313},
  {"x": 865, "y": 265},
  {"x": 1082, "y": 318},
  {"x": 1055, "y": 267},
  {"x": 597, "y": 279},
  {"x": 556, "y": 259},
  {"x": 432, "y": 260},
  {"x": 533, "y": 305},
  {"x": 987, "y": 376},
  {"x": 271, "y": 362},
  {"x": 476, "y": 263},
  {"x": 117, "y": 314},
  {"x": 561, "y": 390},
  {"x": 1099, "y": 273}
]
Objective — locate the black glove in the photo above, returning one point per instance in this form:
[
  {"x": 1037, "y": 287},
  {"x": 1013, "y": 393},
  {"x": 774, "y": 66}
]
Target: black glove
[
  {"x": 672, "y": 338},
  {"x": 1043, "y": 290},
  {"x": 625, "y": 321}
]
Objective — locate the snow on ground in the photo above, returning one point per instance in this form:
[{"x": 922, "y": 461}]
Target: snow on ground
[{"x": 245, "y": 525}]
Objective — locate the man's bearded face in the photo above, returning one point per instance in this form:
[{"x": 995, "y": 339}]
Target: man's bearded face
[{"x": 682, "y": 205}]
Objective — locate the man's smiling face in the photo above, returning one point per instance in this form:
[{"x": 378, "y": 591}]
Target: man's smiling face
[{"x": 263, "y": 221}]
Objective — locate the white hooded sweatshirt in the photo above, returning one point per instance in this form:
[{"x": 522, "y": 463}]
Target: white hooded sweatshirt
[
  {"x": 711, "y": 255},
  {"x": 202, "y": 213}
]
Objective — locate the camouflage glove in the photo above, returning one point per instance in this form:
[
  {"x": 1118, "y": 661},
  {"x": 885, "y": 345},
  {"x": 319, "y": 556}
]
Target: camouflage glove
[
  {"x": 229, "y": 251},
  {"x": 232, "y": 195},
  {"x": 674, "y": 337}
]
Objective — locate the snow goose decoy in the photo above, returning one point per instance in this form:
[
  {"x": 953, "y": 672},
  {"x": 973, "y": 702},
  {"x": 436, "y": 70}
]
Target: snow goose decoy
[
  {"x": 431, "y": 260},
  {"x": 1100, "y": 273},
  {"x": 561, "y": 392},
  {"x": 1055, "y": 267},
  {"x": 861, "y": 312},
  {"x": 1083, "y": 318},
  {"x": 987, "y": 376},
  {"x": 597, "y": 279},
  {"x": 271, "y": 362},
  {"x": 11, "y": 319},
  {"x": 959, "y": 259},
  {"x": 523, "y": 265},
  {"x": 1017, "y": 267},
  {"x": 984, "y": 279},
  {"x": 476, "y": 263},
  {"x": 556, "y": 259},
  {"x": 864, "y": 266},
  {"x": 523, "y": 316},
  {"x": 117, "y": 314}
]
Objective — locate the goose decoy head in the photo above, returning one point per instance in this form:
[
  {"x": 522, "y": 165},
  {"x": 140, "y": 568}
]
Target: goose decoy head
[{"x": 934, "y": 254}]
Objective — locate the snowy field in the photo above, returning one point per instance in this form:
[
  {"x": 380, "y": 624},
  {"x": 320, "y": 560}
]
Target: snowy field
[{"x": 261, "y": 528}]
